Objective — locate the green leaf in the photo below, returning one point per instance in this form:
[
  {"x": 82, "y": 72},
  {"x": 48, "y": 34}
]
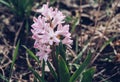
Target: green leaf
[
  {"x": 106, "y": 43},
  {"x": 41, "y": 79},
  {"x": 87, "y": 75},
  {"x": 52, "y": 2},
  {"x": 21, "y": 8},
  {"x": 52, "y": 71},
  {"x": 31, "y": 54},
  {"x": 80, "y": 54},
  {"x": 68, "y": 19},
  {"x": 75, "y": 23},
  {"x": 62, "y": 51},
  {"x": 5, "y": 3},
  {"x": 14, "y": 58},
  {"x": 15, "y": 54},
  {"x": 76, "y": 44},
  {"x": 27, "y": 26},
  {"x": 64, "y": 75},
  {"x": 35, "y": 80},
  {"x": 74, "y": 77},
  {"x": 36, "y": 75},
  {"x": 57, "y": 50},
  {"x": 43, "y": 68},
  {"x": 3, "y": 78}
]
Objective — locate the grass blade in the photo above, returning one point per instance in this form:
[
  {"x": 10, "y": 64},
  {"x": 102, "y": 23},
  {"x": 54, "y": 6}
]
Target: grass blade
[
  {"x": 64, "y": 75},
  {"x": 52, "y": 71},
  {"x": 3, "y": 78},
  {"x": 36, "y": 75},
  {"x": 14, "y": 58},
  {"x": 106, "y": 43},
  {"x": 5, "y": 3},
  {"x": 81, "y": 68},
  {"x": 43, "y": 68},
  {"x": 88, "y": 74},
  {"x": 80, "y": 54},
  {"x": 31, "y": 54},
  {"x": 75, "y": 23}
]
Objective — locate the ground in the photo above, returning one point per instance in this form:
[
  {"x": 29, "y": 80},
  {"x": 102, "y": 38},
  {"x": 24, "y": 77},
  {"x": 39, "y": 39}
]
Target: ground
[{"x": 94, "y": 24}]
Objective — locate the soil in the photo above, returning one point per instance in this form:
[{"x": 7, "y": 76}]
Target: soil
[{"x": 97, "y": 23}]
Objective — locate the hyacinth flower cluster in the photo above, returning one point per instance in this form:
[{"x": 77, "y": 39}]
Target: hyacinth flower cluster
[{"x": 48, "y": 30}]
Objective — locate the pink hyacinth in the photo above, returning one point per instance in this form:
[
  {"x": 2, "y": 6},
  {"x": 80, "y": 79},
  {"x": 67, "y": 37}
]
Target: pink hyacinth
[{"x": 48, "y": 30}]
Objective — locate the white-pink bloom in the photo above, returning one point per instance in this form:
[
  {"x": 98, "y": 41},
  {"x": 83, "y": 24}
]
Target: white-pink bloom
[
  {"x": 43, "y": 52},
  {"x": 67, "y": 41},
  {"x": 48, "y": 31},
  {"x": 63, "y": 30},
  {"x": 52, "y": 36},
  {"x": 42, "y": 55},
  {"x": 58, "y": 18},
  {"x": 46, "y": 11}
]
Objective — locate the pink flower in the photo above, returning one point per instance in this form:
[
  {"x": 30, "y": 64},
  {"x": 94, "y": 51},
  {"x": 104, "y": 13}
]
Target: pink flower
[
  {"x": 43, "y": 52},
  {"x": 46, "y": 11},
  {"x": 67, "y": 41},
  {"x": 52, "y": 36},
  {"x": 48, "y": 31},
  {"x": 58, "y": 18}
]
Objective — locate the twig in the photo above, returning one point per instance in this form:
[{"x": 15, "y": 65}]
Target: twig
[
  {"x": 107, "y": 24},
  {"x": 73, "y": 53},
  {"x": 3, "y": 73},
  {"x": 17, "y": 34},
  {"x": 109, "y": 77},
  {"x": 103, "y": 48},
  {"x": 95, "y": 75}
]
